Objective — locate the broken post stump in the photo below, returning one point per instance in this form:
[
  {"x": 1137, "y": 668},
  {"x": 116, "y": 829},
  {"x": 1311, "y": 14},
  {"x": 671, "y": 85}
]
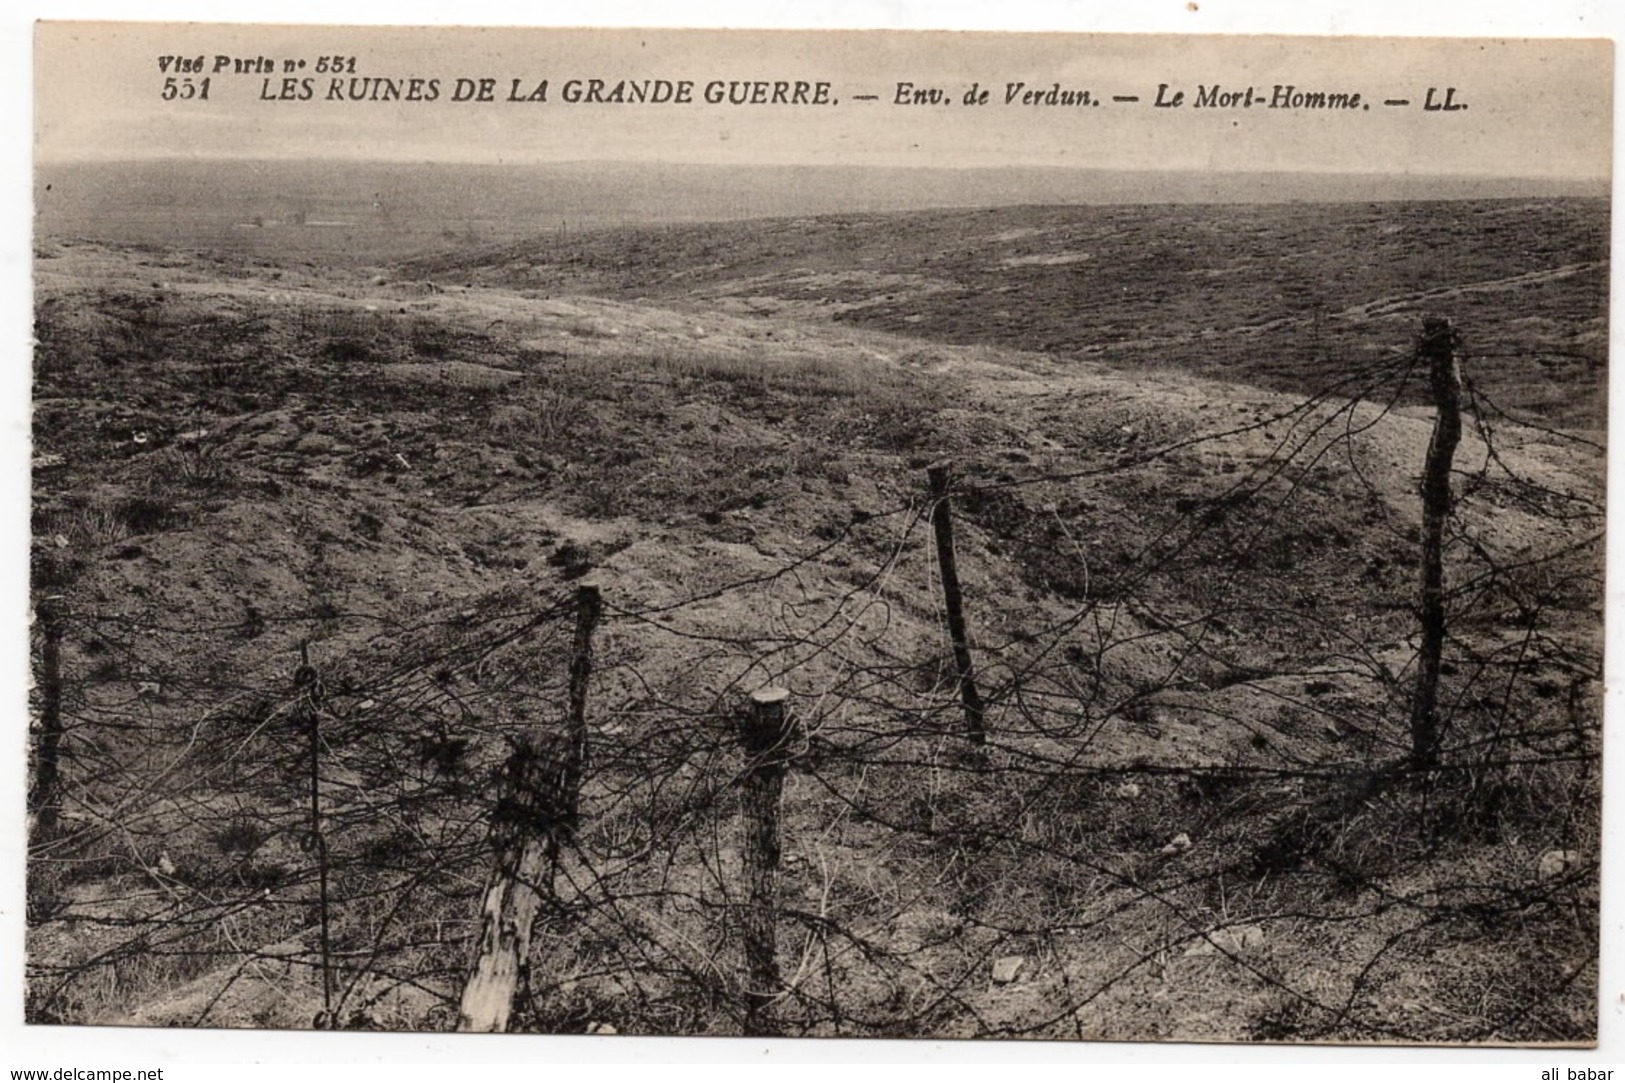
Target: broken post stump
[{"x": 534, "y": 817}]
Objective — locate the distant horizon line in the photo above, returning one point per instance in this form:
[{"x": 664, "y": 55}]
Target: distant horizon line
[{"x": 1576, "y": 179}]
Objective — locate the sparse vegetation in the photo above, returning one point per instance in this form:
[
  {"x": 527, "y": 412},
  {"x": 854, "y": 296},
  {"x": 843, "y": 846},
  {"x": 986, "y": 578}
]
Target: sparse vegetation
[{"x": 1190, "y": 604}]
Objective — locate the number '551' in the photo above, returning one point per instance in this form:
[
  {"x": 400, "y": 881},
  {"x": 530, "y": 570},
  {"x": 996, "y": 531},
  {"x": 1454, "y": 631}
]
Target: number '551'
[{"x": 186, "y": 89}]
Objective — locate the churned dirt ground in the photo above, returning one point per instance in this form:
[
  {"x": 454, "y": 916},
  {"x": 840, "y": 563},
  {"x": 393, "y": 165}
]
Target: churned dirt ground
[{"x": 1174, "y": 560}]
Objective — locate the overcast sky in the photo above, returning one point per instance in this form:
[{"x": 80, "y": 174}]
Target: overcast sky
[{"x": 1536, "y": 108}]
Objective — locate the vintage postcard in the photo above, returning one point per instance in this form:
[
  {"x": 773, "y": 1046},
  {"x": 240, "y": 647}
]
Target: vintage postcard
[{"x": 818, "y": 534}]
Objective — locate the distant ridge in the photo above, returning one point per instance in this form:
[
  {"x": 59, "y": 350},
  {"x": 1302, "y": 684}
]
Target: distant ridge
[{"x": 391, "y": 207}]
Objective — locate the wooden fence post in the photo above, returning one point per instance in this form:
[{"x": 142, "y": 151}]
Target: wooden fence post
[
  {"x": 589, "y": 604},
  {"x": 942, "y": 521},
  {"x": 45, "y": 789},
  {"x": 1438, "y": 349},
  {"x": 534, "y": 817},
  {"x": 44, "y": 796},
  {"x": 767, "y": 734},
  {"x": 308, "y": 717}
]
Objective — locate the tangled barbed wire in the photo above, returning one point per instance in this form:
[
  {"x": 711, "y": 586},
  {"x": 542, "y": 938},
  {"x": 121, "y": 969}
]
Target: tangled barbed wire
[{"x": 1193, "y": 814}]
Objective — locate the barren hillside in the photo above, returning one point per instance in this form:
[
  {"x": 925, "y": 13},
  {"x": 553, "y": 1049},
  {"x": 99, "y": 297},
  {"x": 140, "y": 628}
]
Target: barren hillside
[{"x": 1185, "y": 448}]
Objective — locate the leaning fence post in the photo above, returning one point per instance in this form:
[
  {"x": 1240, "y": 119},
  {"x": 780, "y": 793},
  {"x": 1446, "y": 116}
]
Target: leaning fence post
[
  {"x": 942, "y": 521},
  {"x": 1438, "y": 349},
  {"x": 767, "y": 734},
  {"x": 535, "y": 815}
]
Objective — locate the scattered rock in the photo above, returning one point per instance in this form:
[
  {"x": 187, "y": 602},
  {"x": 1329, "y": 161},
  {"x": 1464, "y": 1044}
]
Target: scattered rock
[
  {"x": 1177, "y": 845},
  {"x": 1007, "y": 967},
  {"x": 1555, "y": 863},
  {"x": 1127, "y": 790}
]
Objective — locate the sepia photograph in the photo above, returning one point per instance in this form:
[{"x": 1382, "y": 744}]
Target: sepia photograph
[{"x": 817, "y": 534}]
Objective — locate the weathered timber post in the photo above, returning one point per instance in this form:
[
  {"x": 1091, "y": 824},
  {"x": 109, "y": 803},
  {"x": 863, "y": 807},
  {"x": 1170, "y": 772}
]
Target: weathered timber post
[
  {"x": 534, "y": 817},
  {"x": 307, "y": 716},
  {"x": 1438, "y": 349},
  {"x": 942, "y": 521},
  {"x": 45, "y": 789},
  {"x": 522, "y": 827},
  {"x": 44, "y": 796},
  {"x": 589, "y": 604},
  {"x": 767, "y": 734}
]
